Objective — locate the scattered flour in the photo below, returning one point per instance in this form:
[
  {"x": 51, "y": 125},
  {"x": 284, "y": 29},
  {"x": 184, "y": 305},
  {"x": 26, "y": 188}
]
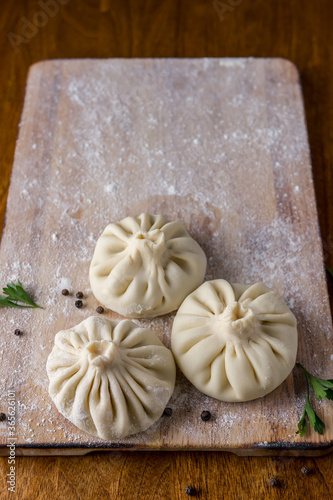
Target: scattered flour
[
  {"x": 208, "y": 151},
  {"x": 64, "y": 283}
]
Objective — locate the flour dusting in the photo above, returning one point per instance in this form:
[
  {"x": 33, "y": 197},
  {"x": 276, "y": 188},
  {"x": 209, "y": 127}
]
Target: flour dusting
[{"x": 193, "y": 140}]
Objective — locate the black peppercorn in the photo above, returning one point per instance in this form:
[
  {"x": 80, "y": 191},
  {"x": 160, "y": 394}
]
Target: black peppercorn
[
  {"x": 65, "y": 291},
  {"x": 79, "y": 295},
  {"x": 167, "y": 412},
  {"x": 2, "y": 417},
  {"x": 17, "y": 332},
  {"x": 273, "y": 482},
  {"x": 100, "y": 309},
  {"x": 305, "y": 470},
  {"x": 190, "y": 491},
  {"x": 205, "y": 415},
  {"x": 78, "y": 304}
]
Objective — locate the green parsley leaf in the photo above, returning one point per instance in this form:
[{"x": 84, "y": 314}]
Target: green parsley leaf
[
  {"x": 7, "y": 303},
  {"x": 323, "y": 389},
  {"x": 320, "y": 386},
  {"x": 302, "y": 425},
  {"x": 314, "y": 420},
  {"x": 16, "y": 293},
  {"x": 330, "y": 270},
  {"x": 319, "y": 389},
  {"x": 329, "y": 394}
]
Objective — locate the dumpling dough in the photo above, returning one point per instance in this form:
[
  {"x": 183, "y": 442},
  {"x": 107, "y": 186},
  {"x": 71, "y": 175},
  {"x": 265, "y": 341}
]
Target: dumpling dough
[
  {"x": 145, "y": 266},
  {"x": 234, "y": 342},
  {"x": 110, "y": 378}
]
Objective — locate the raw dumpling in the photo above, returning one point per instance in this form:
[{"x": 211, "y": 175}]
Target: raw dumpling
[
  {"x": 110, "y": 378},
  {"x": 145, "y": 266},
  {"x": 234, "y": 342}
]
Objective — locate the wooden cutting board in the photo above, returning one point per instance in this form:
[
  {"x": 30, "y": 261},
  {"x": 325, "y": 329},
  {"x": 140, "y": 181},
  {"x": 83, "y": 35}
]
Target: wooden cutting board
[{"x": 220, "y": 144}]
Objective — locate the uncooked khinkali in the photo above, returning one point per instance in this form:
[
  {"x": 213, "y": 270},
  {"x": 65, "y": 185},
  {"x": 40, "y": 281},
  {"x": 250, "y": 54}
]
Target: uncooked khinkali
[
  {"x": 145, "y": 266},
  {"x": 110, "y": 378},
  {"x": 234, "y": 342}
]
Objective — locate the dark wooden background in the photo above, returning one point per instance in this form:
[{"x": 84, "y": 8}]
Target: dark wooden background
[{"x": 295, "y": 29}]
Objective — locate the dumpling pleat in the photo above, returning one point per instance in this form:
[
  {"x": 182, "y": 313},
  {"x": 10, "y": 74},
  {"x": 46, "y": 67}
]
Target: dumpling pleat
[
  {"x": 135, "y": 402},
  {"x": 145, "y": 266},
  {"x": 234, "y": 342},
  {"x": 119, "y": 381},
  {"x": 67, "y": 387}
]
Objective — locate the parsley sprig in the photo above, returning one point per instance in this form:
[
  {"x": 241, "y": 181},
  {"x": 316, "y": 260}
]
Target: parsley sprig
[
  {"x": 16, "y": 293},
  {"x": 329, "y": 270},
  {"x": 323, "y": 389}
]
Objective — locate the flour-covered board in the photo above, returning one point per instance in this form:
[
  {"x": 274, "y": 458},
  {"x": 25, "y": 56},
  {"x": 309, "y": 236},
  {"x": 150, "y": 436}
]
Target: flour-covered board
[{"x": 219, "y": 144}]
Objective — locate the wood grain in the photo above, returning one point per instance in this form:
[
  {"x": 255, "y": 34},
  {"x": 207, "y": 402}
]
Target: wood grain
[{"x": 293, "y": 29}]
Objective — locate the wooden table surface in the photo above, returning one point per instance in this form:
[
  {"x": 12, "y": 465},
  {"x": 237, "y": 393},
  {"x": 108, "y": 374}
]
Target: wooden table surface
[{"x": 294, "y": 29}]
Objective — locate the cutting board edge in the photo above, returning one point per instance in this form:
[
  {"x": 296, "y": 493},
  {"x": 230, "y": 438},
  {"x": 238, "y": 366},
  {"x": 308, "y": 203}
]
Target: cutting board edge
[
  {"x": 309, "y": 450},
  {"x": 44, "y": 62}
]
